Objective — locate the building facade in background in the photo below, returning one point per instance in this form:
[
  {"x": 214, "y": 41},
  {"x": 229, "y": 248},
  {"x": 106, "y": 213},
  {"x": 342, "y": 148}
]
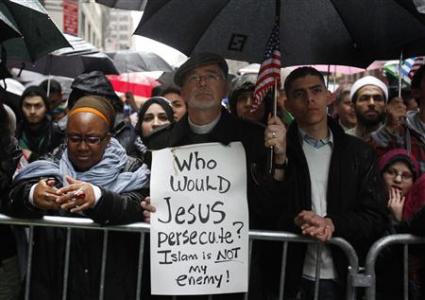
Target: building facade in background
[
  {"x": 118, "y": 30},
  {"x": 107, "y": 29}
]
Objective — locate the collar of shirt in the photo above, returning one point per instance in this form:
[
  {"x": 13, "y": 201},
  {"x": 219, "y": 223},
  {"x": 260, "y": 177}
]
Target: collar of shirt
[
  {"x": 317, "y": 143},
  {"x": 203, "y": 129}
]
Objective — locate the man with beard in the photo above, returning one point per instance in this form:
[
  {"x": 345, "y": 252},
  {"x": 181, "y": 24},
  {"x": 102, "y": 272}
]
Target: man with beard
[
  {"x": 369, "y": 96},
  {"x": 36, "y": 133}
]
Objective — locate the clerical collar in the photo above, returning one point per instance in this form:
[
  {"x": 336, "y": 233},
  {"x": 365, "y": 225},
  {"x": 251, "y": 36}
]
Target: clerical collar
[{"x": 203, "y": 129}]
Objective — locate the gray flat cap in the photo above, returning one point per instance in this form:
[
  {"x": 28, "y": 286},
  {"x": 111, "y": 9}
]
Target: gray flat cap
[{"x": 200, "y": 59}]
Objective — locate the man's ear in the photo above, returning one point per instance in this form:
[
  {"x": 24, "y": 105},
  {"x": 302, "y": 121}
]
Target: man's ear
[{"x": 329, "y": 98}]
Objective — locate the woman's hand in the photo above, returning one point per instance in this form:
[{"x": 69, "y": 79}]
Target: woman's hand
[
  {"x": 396, "y": 203},
  {"x": 46, "y": 194},
  {"x": 77, "y": 196}
]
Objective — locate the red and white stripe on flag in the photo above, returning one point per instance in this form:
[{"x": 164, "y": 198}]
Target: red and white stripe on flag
[
  {"x": 417, "y": 63},
  {"x": 270, "y": 68}
]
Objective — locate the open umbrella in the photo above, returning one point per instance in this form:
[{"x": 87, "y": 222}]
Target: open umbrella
[
  {"x": 124, "y": 4},
  {"x": 336, "y": 32},
  {"x": 40, "y": 35},
  {"x": 83, "y": 57},
  {"x": 7, "y": 29},
  {"x": 128, "y": 61},
  {"x": 137, "y": 83}
]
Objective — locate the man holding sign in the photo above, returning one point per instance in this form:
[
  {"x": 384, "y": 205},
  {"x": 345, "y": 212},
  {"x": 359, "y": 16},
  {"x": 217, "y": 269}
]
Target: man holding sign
[{"x": 203, "y": 82}]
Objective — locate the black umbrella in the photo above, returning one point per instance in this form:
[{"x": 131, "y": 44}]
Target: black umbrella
[
  {"x": 69, "y": 62},
  {"x": 124, "y": 4},
  {"x": 128, "y": 61},
  {"x": 7, "y": 29},
  {"x": 340, "y": 32},
  {"x": 40, "y": 34}
]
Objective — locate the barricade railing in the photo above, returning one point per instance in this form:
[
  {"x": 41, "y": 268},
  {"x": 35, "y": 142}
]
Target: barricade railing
[
  {"x": 143, "y": 228},
  {"x": 376, "y": 250}
]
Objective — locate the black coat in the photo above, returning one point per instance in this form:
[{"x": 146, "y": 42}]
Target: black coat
[
  {"x": 86, "y": 247},
  {"x": 356, "y": 200},
  {"x": 41, "y": 141},
  {"x": 9, "y": 157},
  {"x": 228, "y": 129}
]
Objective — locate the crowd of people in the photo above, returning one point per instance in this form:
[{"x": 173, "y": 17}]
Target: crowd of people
[{"x": 354, "y": 174}]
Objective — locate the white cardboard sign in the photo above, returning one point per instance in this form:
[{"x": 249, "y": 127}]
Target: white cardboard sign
[{"x": 199, "y": 232}]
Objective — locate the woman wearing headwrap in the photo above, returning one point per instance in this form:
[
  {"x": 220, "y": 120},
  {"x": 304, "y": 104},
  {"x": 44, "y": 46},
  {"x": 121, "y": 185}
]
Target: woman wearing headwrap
[
  {"x": 400, "y": 171},
  {"x": 153, "y": 115},
  {"x": 92, "y": 176}
]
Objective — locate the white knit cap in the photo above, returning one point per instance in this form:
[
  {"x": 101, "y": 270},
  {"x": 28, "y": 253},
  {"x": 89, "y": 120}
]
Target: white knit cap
[{"x": 368, "y": 80}]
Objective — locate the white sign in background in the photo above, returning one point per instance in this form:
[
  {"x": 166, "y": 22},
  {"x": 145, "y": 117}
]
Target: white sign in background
[{"x": 199, "y": 232}]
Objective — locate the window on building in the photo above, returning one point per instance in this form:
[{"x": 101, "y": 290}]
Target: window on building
[{"x": 83, "y": 24}]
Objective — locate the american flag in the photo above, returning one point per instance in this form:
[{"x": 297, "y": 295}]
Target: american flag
[
  {"x": 417, "y": 63},
  {"x": 270, "y": 68}
]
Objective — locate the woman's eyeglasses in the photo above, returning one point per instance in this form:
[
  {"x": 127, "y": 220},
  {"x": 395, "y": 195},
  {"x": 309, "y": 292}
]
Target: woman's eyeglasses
[
  {"x": 88, "y": 139},
  {"x": 403, "y": 175}
]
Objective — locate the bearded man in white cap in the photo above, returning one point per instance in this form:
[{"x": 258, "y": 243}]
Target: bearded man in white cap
[{"x": 369, "y": 96}]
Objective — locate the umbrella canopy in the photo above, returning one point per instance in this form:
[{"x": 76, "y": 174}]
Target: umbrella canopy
[
  {"x": 7, "y": 29},
  {"x": 137, "y": 83},
  {"x": 336, "y": 32},
  {"x": 40, "y": 34},
  {"x": 124, "y": 4},
  {"x": 83, "y": 57},
  {"x": 138, "y": 61}
]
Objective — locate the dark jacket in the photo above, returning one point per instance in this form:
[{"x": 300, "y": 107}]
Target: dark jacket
[
  {"x": 356, "y": 199},
  {"x": 228, "y": 129},
  {"x": 86, "y": 247},
  {"x": 41, "y": 141},
  {"x": 9, "y": 157}
]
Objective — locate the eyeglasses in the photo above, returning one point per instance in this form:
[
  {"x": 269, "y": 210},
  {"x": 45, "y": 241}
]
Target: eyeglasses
[
  {"x": 405, "y": 176},
  {"x": 208, "y": 78},
  {"x": 89, "y": 139}
]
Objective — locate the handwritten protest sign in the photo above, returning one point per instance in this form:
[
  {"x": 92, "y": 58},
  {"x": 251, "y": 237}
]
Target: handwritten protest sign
[{"x": 199, "y": 233}]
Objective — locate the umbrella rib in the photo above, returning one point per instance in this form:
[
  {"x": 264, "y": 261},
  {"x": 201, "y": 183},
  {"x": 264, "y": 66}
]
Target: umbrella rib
[{"x": 343, "y": 22}]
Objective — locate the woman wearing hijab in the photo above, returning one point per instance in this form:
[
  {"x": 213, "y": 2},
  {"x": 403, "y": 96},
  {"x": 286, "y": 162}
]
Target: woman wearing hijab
[
  {"x": 154, "y": 114},
  {"x": 400, "y": 171},
  {"x": 93, "y": 177}
]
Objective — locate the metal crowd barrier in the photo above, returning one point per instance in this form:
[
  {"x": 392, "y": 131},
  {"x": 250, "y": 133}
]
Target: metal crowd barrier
[
  {"x": 375, "y": 251},
  {"x": 143, "y": 228}
]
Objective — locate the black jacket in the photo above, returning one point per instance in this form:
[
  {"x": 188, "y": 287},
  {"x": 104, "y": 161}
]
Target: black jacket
[
  {"x": 42, "y": 141},
  {"x": 86, "y": 247},
  {"x": 356, "y": 199},
  {"x": 9, "y": 157}
]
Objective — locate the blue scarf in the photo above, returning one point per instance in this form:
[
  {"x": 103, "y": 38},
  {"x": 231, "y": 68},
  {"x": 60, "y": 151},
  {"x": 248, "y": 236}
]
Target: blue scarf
[{"x": 106, "y": 174}]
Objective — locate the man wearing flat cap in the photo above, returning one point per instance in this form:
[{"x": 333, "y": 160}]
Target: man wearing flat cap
[
  {"x": 203, "y": 86},
  {"x": 369, "y": 96}
]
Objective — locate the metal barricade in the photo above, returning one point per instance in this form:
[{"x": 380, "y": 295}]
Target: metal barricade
[
  {"x": 143, "y": 228},
  {"x": 376, "y": 250},
  {"x": 78, "y": 223}
]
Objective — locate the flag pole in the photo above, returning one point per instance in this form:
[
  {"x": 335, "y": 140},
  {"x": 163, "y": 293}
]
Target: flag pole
[
  {"x": 399, "y": 73},
  {"x": 275, "y": 95}
]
